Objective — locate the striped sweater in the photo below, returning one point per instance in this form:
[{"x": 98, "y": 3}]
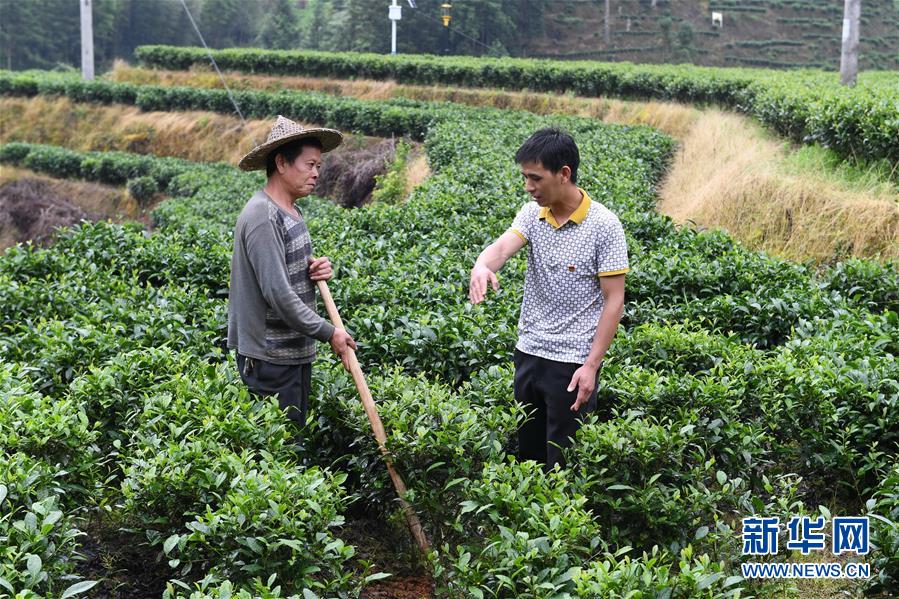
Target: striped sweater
[{"x": 271, "y": 302}]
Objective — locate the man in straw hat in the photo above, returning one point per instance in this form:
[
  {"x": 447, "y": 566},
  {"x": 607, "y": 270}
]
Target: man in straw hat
[{"x": 272, "y": 323}]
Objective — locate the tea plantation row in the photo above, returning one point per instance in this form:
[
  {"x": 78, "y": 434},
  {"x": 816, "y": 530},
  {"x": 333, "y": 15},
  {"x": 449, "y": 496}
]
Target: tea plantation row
[
  {"x": 807, "y": 106},
  {"x": 740, "y": 384},
  {"x": 394, "y": 117}
]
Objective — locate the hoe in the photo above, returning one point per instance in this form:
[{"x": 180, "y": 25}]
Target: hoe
[{"x": 377, "y": 428}]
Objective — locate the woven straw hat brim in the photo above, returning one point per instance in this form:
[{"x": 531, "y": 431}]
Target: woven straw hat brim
[{"x": 256, "y": 158}]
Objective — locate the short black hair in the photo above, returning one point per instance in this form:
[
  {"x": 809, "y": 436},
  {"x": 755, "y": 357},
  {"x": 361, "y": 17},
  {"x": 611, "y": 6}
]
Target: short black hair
[
  {"x": 290, "y": 151},
  {"x": 553, "y": 148}
]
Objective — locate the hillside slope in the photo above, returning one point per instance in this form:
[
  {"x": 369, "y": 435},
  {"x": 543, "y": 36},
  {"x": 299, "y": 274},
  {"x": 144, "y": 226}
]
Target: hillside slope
[{"x": 767, "y": 33}]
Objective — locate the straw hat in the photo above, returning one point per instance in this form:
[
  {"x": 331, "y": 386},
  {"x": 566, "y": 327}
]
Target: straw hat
[{"x": 284, "y": 131}]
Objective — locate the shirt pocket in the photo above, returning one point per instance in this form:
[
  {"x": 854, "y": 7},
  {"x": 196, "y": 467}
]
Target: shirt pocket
[{"x": 571, "y": 272}]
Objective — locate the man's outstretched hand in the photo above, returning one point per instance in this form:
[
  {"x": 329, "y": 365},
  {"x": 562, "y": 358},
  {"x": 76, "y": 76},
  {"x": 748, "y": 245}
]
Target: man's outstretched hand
[
  {"x": 341, "y": 343},
  {"x": 480, "y": 277}
]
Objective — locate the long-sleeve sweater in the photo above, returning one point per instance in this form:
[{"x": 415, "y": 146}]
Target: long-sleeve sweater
[{"x": 271, "y": 302}]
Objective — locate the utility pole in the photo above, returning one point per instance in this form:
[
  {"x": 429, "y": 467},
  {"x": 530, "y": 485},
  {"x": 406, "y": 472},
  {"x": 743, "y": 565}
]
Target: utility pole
[
  {"x": 395, "y": 13},
  {"x": 852, "y": 10},
  {"x": 606, "y": 29},
  {"x": 87, "y": 41}
]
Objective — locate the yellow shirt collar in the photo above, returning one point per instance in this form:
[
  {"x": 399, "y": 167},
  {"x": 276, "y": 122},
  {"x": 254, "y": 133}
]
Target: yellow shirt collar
[{"x": 577, "y": 216}]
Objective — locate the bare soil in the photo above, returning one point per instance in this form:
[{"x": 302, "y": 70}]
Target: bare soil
[
  {"x": 388, "y": 546},
  {"x": 124, "y": 565},
  {"x": 33, "y": 207},
  {"x": 348, "y": 176},
  {"x": 402, "y": 587},
  {"x": 31, "y": 210}
]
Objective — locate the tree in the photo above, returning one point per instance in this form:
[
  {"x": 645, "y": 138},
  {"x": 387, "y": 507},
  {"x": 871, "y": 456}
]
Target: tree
[
  {"x": 316, "y": 25},
  {"x": 491, "y": 23},
  {"x": 685, "y": 38},
  {"x": 229, "y": 23},
  {"x": 159, "y": 22},
  {"x": 529, "y": 23},
  {"x": 665, "y": 24},
  {"x": 366, "y": 27},
  {"x": 280, "y": 28},
  {"x": 28, "y": 42},
  {"x": 21, "y": 44}
]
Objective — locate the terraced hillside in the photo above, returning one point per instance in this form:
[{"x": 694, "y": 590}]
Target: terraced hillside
[
  {"x": 739, "y": 384},
  {"x": 761, "y": 33}
]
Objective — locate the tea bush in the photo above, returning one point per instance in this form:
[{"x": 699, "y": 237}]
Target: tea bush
[
  {"x": 657, "y": 574},
  {"x": 27, "y": 480},
  {"x": 648, "y": 483},
  {"x": 273, "y": 520},
  {"x": 532, "y": 535},
  {"x": 54, "y": 431},
  {"x": 440, "y": 437},
  {"x": 734, "y": 375},
  {"x": 38, "y": 549},
  {"x": 884, "y": 514},
  {"x": 803, "y": 105},
  {"x": 833, "y": 417},
  {"x": 143, "y": 189}
]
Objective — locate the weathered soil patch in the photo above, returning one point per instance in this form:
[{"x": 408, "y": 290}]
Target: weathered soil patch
[
  {"x": 32, "y": 206},
  {"x": 31, "y": 210},
  {"x": 348, "y": 176}
]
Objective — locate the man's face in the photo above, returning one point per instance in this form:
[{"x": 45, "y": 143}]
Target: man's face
[
  {"x": 301, "y": 174},
  {"x": 545, "y": 187}
]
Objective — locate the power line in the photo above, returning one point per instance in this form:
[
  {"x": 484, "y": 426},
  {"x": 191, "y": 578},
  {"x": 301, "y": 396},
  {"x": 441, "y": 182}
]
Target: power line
[{"x": 212, "y": 59}]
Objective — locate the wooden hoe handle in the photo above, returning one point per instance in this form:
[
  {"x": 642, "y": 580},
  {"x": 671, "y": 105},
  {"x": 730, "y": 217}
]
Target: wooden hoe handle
[{"x": 377, "y": 428}]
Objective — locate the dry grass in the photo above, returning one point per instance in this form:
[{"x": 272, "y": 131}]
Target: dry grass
[
  {"x": 728, "y": 174},
  {"x": 669, "y": 117},
  {"x": 417, "y": 170},
  {"x": 674, "y": 119},
  {"x": 194, "y": 135}
]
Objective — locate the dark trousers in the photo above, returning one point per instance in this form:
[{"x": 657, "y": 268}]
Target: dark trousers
[
  {"x": 292, "y": 384},
  {"x": 541, "y": 386}
]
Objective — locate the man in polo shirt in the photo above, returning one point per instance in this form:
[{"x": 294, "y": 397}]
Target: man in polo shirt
[
  {"x": 573, "y": 293},
  {"x": 272, "y": 323}
]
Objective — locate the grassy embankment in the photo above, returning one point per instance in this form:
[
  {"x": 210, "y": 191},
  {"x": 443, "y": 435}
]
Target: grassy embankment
[
  {"x": 798, "y": 203},
  {"x": 729, "y": 171}
]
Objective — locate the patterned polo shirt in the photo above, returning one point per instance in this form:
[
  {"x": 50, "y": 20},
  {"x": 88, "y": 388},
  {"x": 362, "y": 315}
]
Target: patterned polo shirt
[{"x": 562, "y": 295}]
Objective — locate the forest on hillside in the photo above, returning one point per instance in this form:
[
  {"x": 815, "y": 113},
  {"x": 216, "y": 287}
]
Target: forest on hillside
[{"x": 768, "y": 33}]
